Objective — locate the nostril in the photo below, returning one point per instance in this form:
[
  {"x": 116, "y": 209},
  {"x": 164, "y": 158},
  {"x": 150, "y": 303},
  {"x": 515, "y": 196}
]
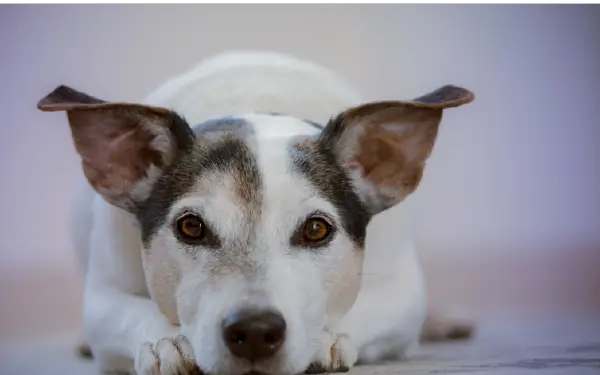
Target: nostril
[
  {"x": 273, "y": 336},
  {"x": 254, "y": 334},
  {"x": 237, "y": 337}
]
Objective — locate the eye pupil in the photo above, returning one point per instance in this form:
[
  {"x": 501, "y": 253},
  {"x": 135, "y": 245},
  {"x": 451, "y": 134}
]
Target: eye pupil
[
  {"x": 190, "y": 227},
  {"x": 316, "y": 230}
]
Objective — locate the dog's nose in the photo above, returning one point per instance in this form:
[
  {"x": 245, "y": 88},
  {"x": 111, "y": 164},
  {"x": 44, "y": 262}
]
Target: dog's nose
[{"x": 254, "y": 334}]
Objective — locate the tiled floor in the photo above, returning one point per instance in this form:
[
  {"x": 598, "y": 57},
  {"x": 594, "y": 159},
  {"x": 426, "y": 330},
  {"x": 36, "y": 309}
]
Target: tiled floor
[{"x": 534, "y": 345}]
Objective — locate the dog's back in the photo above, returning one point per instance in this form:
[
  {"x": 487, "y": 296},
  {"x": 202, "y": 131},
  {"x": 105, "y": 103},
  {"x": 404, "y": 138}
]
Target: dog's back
[{"x": 256, "y": 82}]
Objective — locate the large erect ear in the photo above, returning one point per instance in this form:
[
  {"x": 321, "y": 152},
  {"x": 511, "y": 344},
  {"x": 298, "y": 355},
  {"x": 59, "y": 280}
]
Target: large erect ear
[
  {"x": 124, "y": 147},
  {"x": 384, "y": 145}
]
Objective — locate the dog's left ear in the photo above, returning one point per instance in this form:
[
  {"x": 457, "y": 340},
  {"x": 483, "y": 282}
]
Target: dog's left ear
[
  {"x": 124, "y": 147},
  {"x": 384, "y": 145}
]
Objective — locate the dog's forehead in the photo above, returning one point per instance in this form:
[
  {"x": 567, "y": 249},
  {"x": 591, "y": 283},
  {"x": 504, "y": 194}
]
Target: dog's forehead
[
  {"x": 263, "y": 157},
  {"x": 260, "y": 126}
]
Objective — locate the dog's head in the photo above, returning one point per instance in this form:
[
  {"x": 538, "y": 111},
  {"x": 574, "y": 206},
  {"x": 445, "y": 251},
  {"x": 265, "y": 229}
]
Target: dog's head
[{"x": 253, "y": 227}]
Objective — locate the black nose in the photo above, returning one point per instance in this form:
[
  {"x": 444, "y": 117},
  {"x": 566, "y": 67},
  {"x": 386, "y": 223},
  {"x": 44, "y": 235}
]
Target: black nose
[{"x": 254, "y": 334}]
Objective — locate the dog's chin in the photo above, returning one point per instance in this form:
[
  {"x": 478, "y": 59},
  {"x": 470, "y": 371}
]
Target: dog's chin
[
  {"x": 257, "y": 369},
  {"x": 254, "y": 372},
  {"x": 270, "y": 370}
]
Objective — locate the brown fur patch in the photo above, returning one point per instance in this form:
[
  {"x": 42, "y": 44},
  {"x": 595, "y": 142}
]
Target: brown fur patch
[
  {"x": 389, "y": 142},
  {"x": 316, "y": 161},
  {"x": 115, "y": 141},
  {"x": 395, "y": 159},
  {"x": 116, "y": 148},
  {"x": 227, "y": 154},
  {"x": 233, "y": 135}
]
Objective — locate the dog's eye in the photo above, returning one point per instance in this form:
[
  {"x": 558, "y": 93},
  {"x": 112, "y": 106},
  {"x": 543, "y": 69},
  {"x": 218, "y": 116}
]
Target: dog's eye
[
  {"x": 190, "y": 228},
  {"x": 315, "y": 230}
]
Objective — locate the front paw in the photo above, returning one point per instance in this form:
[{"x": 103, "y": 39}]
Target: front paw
[
  {"x": 168, "y": 356},
  {"x": 336, "y": 354}
]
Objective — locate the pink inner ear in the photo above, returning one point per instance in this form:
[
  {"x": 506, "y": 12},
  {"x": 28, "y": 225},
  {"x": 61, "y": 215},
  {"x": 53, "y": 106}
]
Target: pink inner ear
[
  {"x": 393, "y": 141},
  {"x": 381, "y": 156},
  {"x": 117, "y": 152},
  {"x": 387, "y": 174},
  {"x": 392, "y": 158}
]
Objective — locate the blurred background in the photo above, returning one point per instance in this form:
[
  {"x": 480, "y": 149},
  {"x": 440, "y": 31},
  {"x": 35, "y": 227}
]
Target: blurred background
[{"x": 510, "y": 219}]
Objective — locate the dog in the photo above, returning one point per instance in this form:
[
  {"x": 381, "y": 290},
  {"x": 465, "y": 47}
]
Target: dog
[{"x": 222, "y": 224}]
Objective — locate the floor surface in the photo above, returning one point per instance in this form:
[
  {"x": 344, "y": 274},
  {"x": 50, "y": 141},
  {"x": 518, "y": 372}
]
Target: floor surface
[{"x": 532, "y": 345}]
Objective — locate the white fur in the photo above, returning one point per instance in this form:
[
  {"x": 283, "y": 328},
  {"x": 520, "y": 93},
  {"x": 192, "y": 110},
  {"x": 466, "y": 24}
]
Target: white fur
[{"x": 124, "y": 326}]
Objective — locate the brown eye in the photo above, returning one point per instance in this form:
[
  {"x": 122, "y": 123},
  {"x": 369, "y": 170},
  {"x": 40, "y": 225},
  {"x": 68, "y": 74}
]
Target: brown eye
[
  {"x": 315, "y": 230},
  {"x": 190, "y": 228}
]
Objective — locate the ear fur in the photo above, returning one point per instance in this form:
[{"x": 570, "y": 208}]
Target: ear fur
[
  {"x": 124, "y": 147},
  {"x": 384, "y": 145}
]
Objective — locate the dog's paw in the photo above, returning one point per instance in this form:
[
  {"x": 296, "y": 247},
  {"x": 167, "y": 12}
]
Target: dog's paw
[
  {"x": 336, "y": 354},
  {"x": 166, "y": 357}
]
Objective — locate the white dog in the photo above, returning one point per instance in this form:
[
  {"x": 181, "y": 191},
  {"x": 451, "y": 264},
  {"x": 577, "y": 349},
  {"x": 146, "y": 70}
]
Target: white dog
[{"x": 223, "y": 224}]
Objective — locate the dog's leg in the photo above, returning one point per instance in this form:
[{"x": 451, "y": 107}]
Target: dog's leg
[
  {"x": 123, "y": 326},
  {"x": 120, "y": 326}
]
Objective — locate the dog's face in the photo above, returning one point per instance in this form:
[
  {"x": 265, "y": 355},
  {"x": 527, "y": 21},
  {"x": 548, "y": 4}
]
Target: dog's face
[
  {"x": 253, "y": 226},
  {"x": 245, "y": 220}
]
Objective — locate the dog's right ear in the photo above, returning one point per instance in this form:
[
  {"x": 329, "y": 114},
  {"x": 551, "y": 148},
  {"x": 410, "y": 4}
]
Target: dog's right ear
[
  {"x": 384, "y": 146},
  {"x": 124, "y": 147}
]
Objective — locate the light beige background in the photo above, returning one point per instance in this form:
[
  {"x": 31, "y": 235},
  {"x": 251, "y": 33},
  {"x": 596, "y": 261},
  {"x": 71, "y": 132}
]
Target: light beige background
[{"x": 511, "y": 197}]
